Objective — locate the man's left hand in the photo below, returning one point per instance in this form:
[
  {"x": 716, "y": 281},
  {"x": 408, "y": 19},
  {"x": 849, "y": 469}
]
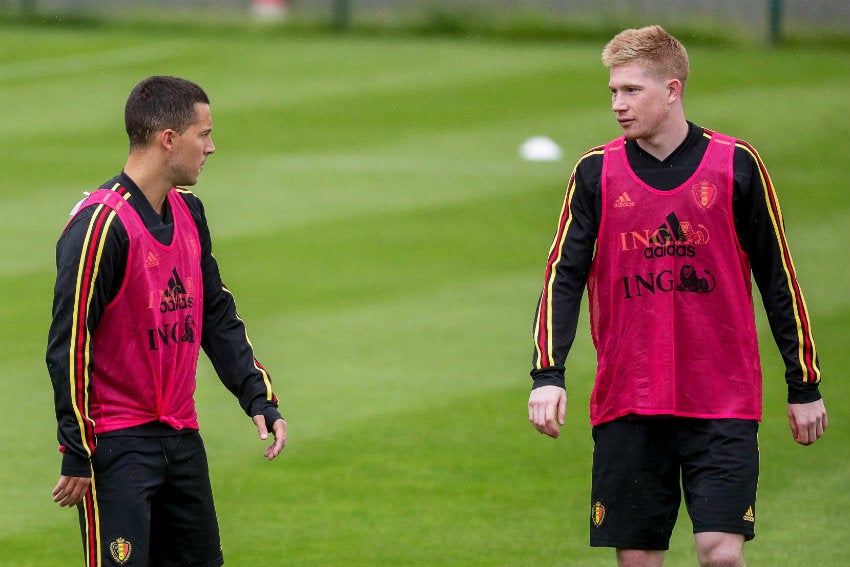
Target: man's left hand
[{"x": 278, "y": 432}]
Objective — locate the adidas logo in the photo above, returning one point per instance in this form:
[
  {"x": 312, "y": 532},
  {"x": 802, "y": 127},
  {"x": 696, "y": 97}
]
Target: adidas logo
[
  {"x": 749, "y": 516},
  {"x": 176, "y": 296},
  {"x": 623, "y": 201},
  {"x": 151, "y": 261},
  {"x": 175, "y": 284},
  {"x": 672, "y": 230}
]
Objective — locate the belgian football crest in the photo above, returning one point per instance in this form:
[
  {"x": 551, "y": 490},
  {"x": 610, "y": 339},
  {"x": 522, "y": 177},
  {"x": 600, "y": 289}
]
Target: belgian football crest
[
  {"x": 597, "y": 513},
  {"x": 704, "y": 193},
  {"x": 120, "y": 549}
]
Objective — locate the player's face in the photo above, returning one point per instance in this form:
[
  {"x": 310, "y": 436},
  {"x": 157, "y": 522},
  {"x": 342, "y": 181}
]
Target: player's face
[
  {"x": 192, "y": 147},
  {"x": 640, "y": 101}
]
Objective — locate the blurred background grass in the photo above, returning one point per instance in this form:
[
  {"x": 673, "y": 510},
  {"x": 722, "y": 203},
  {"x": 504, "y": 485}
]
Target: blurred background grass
[{"x": 385, "y": 244}]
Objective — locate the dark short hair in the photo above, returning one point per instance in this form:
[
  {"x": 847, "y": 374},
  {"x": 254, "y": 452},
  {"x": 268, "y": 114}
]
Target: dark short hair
[{"x": 158, "y": 103}]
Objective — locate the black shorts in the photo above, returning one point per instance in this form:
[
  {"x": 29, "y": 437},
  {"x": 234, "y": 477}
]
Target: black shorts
[
  {"x": 150, "y": 504},
  {"x": 637, "y": 467}
]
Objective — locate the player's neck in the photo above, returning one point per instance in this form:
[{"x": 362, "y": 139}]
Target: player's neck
[
  {"x": 666, "y": 140},
  {"x": 149, "y": 179}
]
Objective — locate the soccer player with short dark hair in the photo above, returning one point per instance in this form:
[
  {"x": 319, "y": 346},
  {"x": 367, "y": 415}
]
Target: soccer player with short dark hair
[{"x": 137, "y": 295}]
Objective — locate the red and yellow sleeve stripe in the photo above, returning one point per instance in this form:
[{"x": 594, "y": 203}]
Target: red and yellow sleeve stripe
[
  {"x": 80, "y": 343},
  {"x": 267, "y": 381},
  {"x": 806, "y": 345},
  {"x": 543, "y": 323}
]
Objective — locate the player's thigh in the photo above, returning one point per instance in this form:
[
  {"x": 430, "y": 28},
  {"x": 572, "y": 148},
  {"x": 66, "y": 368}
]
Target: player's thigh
[
  {"x": 185, "y": 527},
  {"x": 720, "y": 468},
  {"x": 635, "y": 487},
  {"x": 127, "y": 471}
]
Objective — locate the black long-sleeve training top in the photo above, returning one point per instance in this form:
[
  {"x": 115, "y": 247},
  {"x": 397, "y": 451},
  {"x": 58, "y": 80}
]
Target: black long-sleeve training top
[
  {"x": 224, "y": 338},
  {"x": 760, "y": 231}
]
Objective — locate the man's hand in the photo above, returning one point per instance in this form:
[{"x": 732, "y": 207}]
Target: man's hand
[
  {"x": 278, "y": 432},
  {"x": 545, "y": 405},
  {"x": 807, "y": 421},
  {"x": 70, "y": 490}
]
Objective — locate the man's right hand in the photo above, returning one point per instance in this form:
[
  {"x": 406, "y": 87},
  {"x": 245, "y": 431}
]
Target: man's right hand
[
  {"x": 547, "y": 409},
  {"x": 70, "y": 490},
  {"x": 807, "y": 421}
]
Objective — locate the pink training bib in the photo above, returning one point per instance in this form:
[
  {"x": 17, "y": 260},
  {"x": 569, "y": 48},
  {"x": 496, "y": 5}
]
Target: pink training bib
[
  {"x": 671, "y": 296},
  {"x": 145, "y": 349}
]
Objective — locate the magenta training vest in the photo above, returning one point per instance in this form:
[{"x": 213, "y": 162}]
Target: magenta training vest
[
  {"x": 671, "y": 297},
  {"x": 145, "y": 349}
]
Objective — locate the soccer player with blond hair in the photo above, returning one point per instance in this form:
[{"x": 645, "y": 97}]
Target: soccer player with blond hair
[{"x": 666, "y": 226}]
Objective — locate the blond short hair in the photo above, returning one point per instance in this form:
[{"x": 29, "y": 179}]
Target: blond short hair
[{"x": 652, "y": 47}]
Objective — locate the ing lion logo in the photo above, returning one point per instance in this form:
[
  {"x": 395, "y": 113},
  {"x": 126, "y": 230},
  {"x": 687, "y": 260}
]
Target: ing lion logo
[{"x": 690, "y": 281}]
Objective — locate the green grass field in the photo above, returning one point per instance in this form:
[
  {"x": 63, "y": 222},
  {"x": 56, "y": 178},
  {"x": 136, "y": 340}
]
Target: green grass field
[{"x": 386, "y": 245}]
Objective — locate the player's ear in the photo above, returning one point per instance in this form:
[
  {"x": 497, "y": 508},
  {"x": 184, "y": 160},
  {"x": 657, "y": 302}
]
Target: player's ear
[
  {"x": 674, "y": 89},
  {"x": 165, "y": 138}
]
